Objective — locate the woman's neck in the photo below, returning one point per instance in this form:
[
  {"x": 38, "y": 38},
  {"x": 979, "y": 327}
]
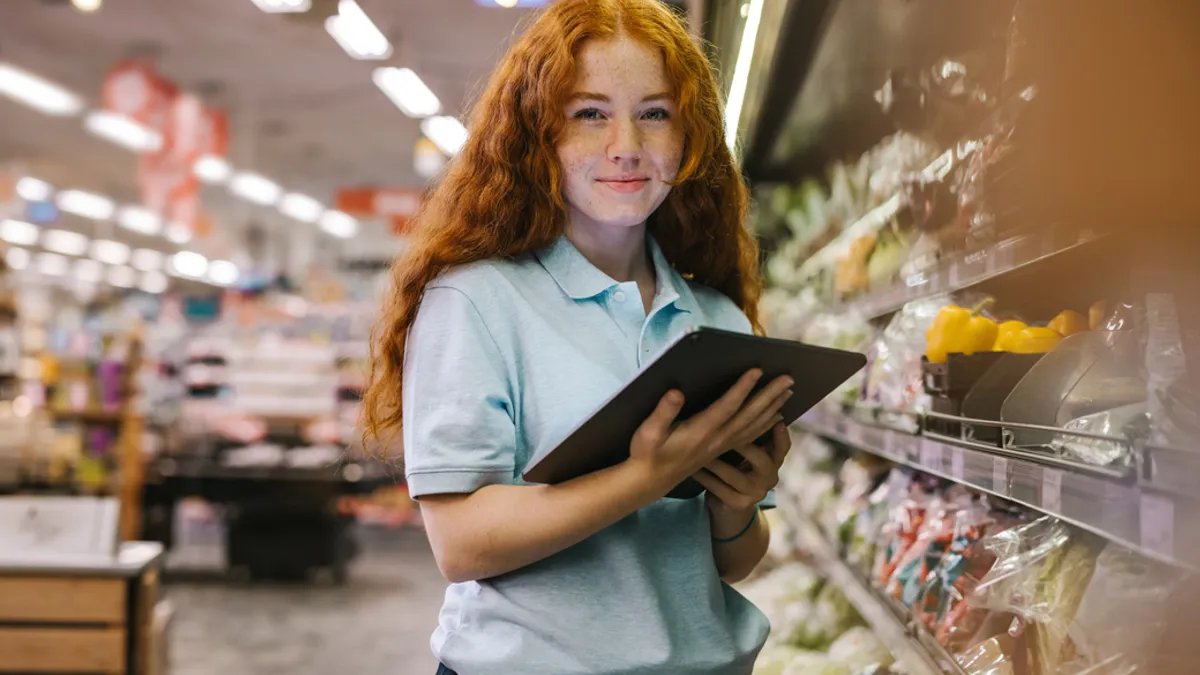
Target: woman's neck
[{"x": 619, "y": 252}]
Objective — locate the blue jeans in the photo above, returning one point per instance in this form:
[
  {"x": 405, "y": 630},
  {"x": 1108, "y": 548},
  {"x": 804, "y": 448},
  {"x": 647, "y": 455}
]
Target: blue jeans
[{"x": 443, "y": 670}]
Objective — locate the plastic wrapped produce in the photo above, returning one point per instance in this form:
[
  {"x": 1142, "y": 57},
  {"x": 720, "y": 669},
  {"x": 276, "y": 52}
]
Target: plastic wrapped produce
[
  {"x": 815, "y": 663},
  {"x": 949, "y": 579},
  {"x": 858, "y": 649},
  {"x": 1130, "y": 422},
  {"x": 932, "y": 542},
  {"x": 987, "y": 658},
  {"x": 894, "y": 375},
  {"x": 899, "y": 534}
]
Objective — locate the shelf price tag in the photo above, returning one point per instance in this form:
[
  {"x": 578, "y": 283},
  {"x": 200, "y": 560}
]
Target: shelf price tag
[
  {"x": 1000, "y": 475},
  {"x": 889, "y": 443},
  {"x": 909, "y": 447},
  {"x": 841, "y": 426},
  {"x": 956, "y": 463},
  {"x": 931, "y": 454},
  {"x": 1158, "y": 524},
  {"x": 1052, "y": 490}
]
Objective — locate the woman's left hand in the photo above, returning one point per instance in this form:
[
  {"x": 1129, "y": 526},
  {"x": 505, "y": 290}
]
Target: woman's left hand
[{"x": 741, "y": 489}]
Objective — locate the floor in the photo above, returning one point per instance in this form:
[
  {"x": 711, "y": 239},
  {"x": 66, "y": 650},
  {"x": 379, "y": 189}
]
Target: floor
[{"x": 378, "y": 623}]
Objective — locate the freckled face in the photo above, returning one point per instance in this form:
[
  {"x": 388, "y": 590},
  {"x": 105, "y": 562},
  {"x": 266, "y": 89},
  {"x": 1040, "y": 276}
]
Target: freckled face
[{"x": 621, "y": 144}]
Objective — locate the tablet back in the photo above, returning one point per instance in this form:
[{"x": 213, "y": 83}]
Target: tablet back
[{"x": 703, "y": 364}]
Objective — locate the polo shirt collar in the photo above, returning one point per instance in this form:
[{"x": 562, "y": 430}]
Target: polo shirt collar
[{"x": 581, "y": 280}]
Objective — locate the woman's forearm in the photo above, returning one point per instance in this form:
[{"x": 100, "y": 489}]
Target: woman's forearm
[
  {"x": 736, "y": 559},
  {"x": 501, "y": 528}
]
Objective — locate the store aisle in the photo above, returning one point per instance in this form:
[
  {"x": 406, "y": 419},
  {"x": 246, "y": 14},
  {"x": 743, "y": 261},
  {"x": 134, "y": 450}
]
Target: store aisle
[{"x": 377, "y": 624}]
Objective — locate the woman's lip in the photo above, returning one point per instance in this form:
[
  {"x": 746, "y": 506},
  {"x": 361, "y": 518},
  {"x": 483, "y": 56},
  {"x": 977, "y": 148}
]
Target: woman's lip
[{"x": 625, "y": 185}]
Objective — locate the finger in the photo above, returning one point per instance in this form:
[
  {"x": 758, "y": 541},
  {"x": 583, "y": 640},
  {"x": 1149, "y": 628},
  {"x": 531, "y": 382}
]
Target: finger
[
  {"x": 781, "y": 443},
  {"x": 764, "y": 422},
  {"x": 761, "y": 461},
  {"x": 731, "y": 476},
  {"x": 716, "y": 486},
  {"x": 766, "y": 402},
  {"x": 657, "y": 427},
  {"x": 728, "y": 405}
]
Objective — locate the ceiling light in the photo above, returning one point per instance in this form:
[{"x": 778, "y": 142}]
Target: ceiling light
[
  {"x": 88, "y": 271},
  {"x": 339, "y": 224},
  {"x": 18, "y": 232},
  {"x": 212, "y": 169},
  {"x": 446, "y": 132},
  {"x": 153, "y": 282},
  {"x": 86, "y": 204},
  {"x": 178, "y": 233},
  {"x": 741, "y": 73},
  {"x": 16, "y": 258},
  {"x": 222, "y": 272},
  {"x": 139, "y": 219},
  {"x": 189, "y": 264},
  {"x": 255, "y": 188},
  {"x": 65, "y": 242},
  {"x": 353, "y": 30},
  {"x": 35, "y": 92},
  {"x": 50, "y": 264},
  {"x": 301, "y": 207},
  {"x": 87, "y": 6},
  {"x": 122, "y": 131},
  {"x": 110, "y": 252},
  {"x": 33, "y": 190},
  {"x": 407, "y": 91},
  {"x": 283, "y": 6},
  {"x": 146, "y": 260},
  {"x": 507, "y": 3},
  {"x": 122, "y": 277}
]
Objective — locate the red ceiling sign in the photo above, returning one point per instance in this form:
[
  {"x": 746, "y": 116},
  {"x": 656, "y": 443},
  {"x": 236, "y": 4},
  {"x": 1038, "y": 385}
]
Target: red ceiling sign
[
  {"x": 398, "y": 205},
  {"x": 188, "y": 130}
]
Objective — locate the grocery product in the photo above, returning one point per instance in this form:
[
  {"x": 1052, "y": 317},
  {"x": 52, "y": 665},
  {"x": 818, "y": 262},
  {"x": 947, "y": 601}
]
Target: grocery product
[
  {"x": 1068, "y": 322},
  {"x": 1036, "y": 340},
  {"x": 1007, "y": 334},
  {"x": 858, "y": 649},
  {"x": 959, "y": 330}
]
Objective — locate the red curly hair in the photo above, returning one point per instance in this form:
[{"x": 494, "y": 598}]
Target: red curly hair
[{"x": 502, "y": 195}]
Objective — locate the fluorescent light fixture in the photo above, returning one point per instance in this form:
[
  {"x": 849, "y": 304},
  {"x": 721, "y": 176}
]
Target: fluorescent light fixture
[
  {"x": 109, "y": 252},
  {"x": 50, "y": 264},
  {"x": 87, "y": 271},
  {"x": 222, "y": 272},
  {"x": 153, "y": 282},
  {"x": 146, "y": 260},
  {"x": 255, "y": 188},
  {"x": 212, "y": 169},
  {"x": 178, "y": 233},
  {"x": 122, "y": 131},
  {"x": 86, "y": 204},
  {"x": 19, "y": 232},
  {"x": 407, "y": 91},
  {"x": 87, "y": 6},
  {"x": 40, "y": 94},
  {"x": 301, "y": 207},
  {"x": 65, "y": 242},
  {"x": 139, "y": 219},
  {"x": 122, "y": 276},
  {"x": 507, "y": 3},
  {"x": 283, "y": 6},
  {"x": 353, "y": 30},
  {"x": 741, "y": 73},
  {"x": 189, "y": 264},
  {"x": 446, "y": 132},
  {"x": 33, "y": 190},
  {"x": 339, "y": 224},
  {"x": 16, "y": 258}
]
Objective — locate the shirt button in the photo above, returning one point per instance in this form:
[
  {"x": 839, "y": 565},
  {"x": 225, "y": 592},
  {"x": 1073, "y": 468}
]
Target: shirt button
[{"x": 619, "y": 296}]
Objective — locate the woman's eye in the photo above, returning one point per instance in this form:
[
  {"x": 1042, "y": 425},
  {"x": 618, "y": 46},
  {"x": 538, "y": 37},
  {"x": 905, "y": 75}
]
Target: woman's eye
[
  {"x": 657, "y": 114},
  {"x": 589, "y": 114}
]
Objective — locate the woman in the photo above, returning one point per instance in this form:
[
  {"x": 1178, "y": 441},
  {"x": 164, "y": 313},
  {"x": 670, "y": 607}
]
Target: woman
[{"x": 593, "y": 215}]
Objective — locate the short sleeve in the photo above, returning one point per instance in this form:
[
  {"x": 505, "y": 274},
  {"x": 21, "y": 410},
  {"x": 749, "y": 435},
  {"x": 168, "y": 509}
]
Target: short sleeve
[{"x": 459, "y": 433}]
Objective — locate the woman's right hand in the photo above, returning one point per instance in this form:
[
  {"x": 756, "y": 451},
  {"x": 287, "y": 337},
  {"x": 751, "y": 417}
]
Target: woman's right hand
[{"x": 671, "y": 453}]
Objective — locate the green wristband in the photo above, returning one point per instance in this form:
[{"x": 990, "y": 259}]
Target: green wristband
[{"x": 745, "y": 529}]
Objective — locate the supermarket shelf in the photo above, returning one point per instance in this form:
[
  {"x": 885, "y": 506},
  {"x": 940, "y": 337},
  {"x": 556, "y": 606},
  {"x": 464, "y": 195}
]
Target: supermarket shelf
[
  {"x": 896, "y": 634},
  {"x": 89, "y": 415},
  {"x": 967, "y": 270},
  {"x": 343, "y": 472},
  {"x": 1115, "y": 507}
]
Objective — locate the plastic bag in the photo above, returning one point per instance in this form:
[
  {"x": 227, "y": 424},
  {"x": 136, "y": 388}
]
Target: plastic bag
[
  {"x": 899, "y": 534},
  {"x": 987, "y": 658},
  {"x": 894, "y": 376},
  {"x": 1128, "y": 421},
  {"x": 944, "y": 583},
  {"x": 859, "y": 648},
  {"x": 937, "y": 531}
]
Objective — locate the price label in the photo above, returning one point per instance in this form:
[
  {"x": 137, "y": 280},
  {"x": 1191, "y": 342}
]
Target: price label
[
  {"x": 911, "y": 448},
  {"x": 957, "y": 470},
  {"x": 931, "y": 454},
  {"x": 854, "y": 433},
  {"x": 1158, "y": 524},
  {"x": 1001, "y": 258},
  {"x": 1000, "y": 475},
  {"x": 889, "y": 443},
  {"x": 1052, "y": 490},
  {"x": 956, "y": 276},
  {"x": 840, "y": 425}
]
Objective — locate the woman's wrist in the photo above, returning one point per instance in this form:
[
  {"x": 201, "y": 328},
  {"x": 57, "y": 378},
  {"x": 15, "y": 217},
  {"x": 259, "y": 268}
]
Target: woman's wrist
[{"x": 728, "y": 523}]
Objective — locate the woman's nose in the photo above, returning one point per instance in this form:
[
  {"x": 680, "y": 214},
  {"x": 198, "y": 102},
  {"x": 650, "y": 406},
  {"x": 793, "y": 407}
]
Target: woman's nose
[{"x": 625, "y": 143}]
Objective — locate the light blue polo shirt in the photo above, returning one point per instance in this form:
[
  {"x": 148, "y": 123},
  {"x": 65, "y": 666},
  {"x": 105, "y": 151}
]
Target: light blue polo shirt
[{"x": 503, "y": 360}]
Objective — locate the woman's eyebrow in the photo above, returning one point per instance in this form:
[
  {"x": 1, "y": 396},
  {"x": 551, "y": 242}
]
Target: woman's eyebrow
[{"x": 592, "y": 96}]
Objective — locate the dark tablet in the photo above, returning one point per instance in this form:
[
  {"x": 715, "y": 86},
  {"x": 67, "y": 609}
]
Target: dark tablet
[{"x": 703, "y": 364}]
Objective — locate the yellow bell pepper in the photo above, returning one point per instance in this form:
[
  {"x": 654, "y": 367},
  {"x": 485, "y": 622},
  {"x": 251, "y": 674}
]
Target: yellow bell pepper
[
  {"x": 1096, "y": 314},
  {"x": 1007, "y": 334},
  {"x": 958, "y": 330},
  {"x": 1068, "y": 322},
  {"x": 1036, "y": 340}
]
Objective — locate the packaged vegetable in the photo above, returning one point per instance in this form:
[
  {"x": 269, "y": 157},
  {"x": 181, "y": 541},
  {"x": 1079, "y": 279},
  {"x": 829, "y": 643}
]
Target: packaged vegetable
[
  {"x": 943, "y": 584},
  {"x": 898, "y": 535},
  {"x": 987, "y": 658},
  {"x": 859, "y": 648},
  {"x": 1130, "y": 422},
  {"x": 958, "y": 330}
]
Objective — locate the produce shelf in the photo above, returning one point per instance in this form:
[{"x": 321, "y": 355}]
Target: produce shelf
[
  {"x": 1118, "y": 507},
  {"x": 918, "y": 656}
]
